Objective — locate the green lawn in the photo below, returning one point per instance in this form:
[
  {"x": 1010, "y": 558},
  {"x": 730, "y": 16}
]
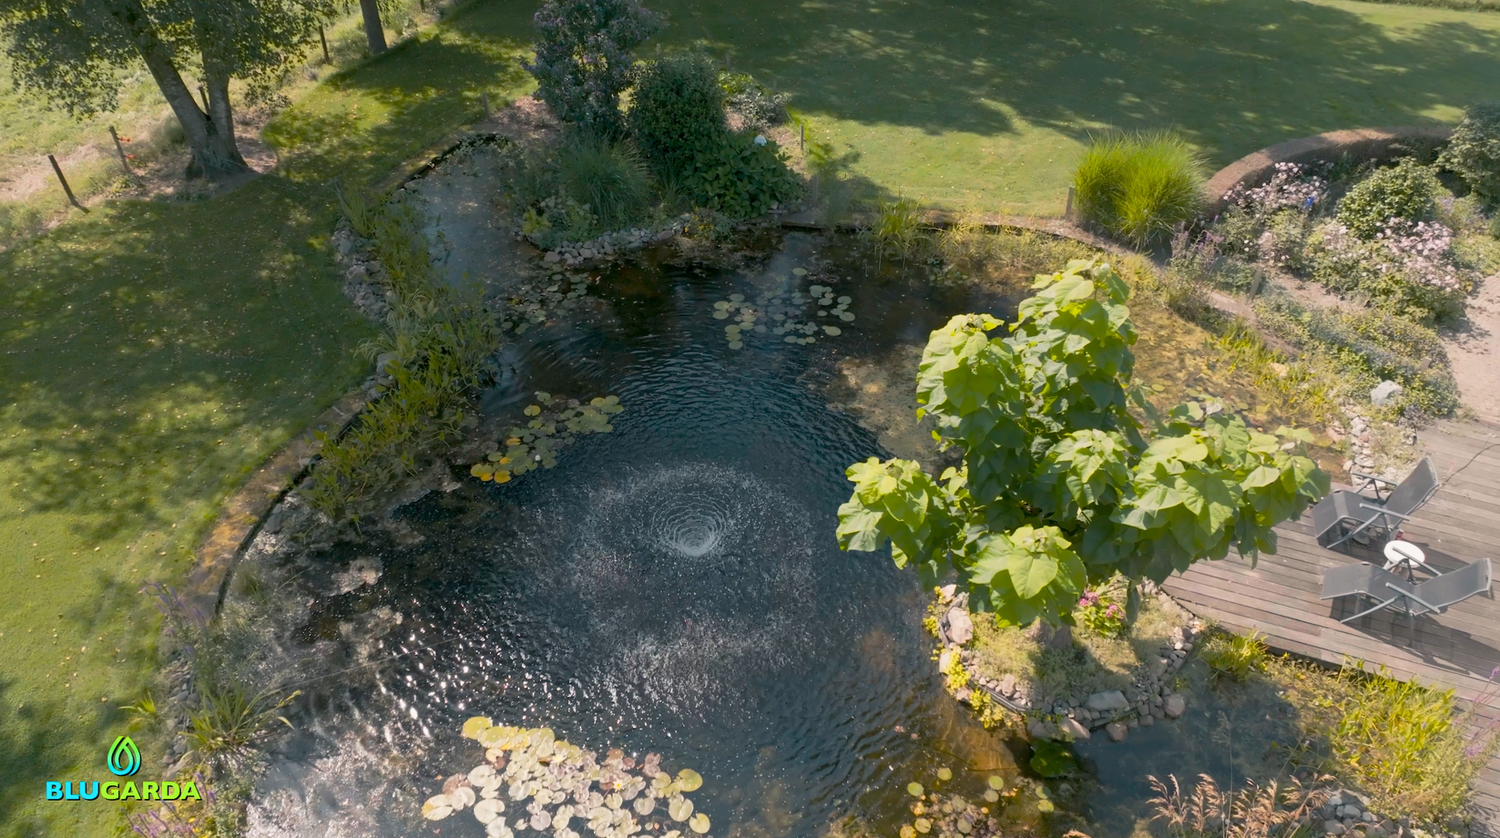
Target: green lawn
[{"x": 988, "y": 104}]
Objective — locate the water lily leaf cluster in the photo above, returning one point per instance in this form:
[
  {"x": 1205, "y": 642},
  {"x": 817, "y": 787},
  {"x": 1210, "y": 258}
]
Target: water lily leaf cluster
[
  {"x": 532, "y": 780},
  {"x": 555, "y": 423},
  {"x": 953, "y": 815},
  {"x": 789, "y": 314},
  {"x": 1060, "y": 486},
  {"x": 533, "y": 303}
]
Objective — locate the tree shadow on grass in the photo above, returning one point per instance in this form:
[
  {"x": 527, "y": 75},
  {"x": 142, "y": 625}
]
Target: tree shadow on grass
[
  {"x": 148, "y": 348},
  {"x": 1233, "y": 76},
  {"x": 29, "y": 758}
]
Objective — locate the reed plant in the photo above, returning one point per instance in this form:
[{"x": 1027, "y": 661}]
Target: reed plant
[
  {"x": 897, "y": 229},
  {"x": 1139, "y": 187},
  {"x": 1234, "y": 657},
  {"x": 1272, "y": 810},
  {"x": 607, "y": 177}
]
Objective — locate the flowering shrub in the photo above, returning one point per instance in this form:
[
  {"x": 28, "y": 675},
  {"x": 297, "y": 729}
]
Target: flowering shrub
[
  {"x": 1406, "y": 270},
  {"x": 1100, "y": 614},
  {"x": 1407, "y": 190},
  {"x": 1291, "y": 187},
  {"x": 584, "y": 58},
  {"x": 1419, "y": 252}
]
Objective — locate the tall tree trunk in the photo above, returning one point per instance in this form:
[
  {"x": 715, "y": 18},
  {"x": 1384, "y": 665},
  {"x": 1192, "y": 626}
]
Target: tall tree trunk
[
  {"x": 221, "y": 152},
  {"x": 212, "y": 157},
  {"x": 374, "y": 33}
]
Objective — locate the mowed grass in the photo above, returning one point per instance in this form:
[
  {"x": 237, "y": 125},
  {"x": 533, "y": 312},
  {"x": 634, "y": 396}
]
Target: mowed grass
[
  {"x": 151, "y": 356},
  {"x": 989, "y": 104}
]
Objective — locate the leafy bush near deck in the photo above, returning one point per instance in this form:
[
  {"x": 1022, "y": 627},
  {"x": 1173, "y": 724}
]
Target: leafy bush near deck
[{"x": 677, "y": 112}]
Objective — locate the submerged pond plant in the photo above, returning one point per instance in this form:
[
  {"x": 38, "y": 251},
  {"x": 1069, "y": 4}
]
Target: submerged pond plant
[
  {"x": 566, "y": 786},
  {"x": 948, "y": 815},
  {"x": 555, "y": 423}
]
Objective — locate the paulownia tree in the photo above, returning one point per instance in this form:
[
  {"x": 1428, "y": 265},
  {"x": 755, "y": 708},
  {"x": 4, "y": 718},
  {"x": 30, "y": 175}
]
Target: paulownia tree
[
  {"x": 69, "y": 51},
  {"x": 1059, "y": 489}
]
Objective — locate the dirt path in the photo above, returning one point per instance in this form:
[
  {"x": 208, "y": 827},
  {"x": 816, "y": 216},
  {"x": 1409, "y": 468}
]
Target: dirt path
[{"x": 1474, "y": 351}]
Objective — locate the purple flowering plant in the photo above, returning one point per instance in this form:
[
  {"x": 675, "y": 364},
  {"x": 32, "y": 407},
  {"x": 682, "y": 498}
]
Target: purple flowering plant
[
  {"x": 1100, "y": 614},
  {"x": 585, "y": 59}
]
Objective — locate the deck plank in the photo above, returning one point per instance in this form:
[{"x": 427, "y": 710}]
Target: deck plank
[{"x": 1460, "y": 649}]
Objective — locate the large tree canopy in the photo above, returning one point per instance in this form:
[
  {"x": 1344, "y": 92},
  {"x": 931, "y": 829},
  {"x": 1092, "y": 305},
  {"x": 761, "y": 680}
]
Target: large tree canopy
[
  {"x": 68, "y": 51},
  {"x": 1058, "y": 488}
]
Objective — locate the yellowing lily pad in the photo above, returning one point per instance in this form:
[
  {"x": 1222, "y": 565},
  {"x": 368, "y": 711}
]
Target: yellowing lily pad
[
  {"x": 437, "y": 807},
  {"x": 699, "y": 823},
  {"x": 945, "y": 773},
  {"x": 689, "y": 780},
  {"x": 996, "y": 782},
  {"x": 915, "y": 789},
  {"x": 923, "y": 825}
]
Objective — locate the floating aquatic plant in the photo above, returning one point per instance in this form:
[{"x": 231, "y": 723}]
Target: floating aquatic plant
[
  {"x": 565, "y": 785},
  {"x": 555, "y": 424},
  {"x": 534, "y": 302},
  {"x": 952, "y": 815},
  {"x": 783, "y": 313}
]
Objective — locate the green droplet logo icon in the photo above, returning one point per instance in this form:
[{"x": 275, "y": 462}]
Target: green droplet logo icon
[{"x": 124, "y": 757}]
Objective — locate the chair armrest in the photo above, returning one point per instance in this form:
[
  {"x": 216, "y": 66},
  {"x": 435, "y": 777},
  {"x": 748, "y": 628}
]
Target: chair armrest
[
  {"x": 1371, "y": 480},
  {"x": 1411, "y": 595},
  {"x": 1382, "y": 510}
]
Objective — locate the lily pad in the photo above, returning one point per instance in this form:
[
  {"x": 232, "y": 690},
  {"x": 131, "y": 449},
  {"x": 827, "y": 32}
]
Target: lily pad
[
  {"x": 532, "y": 410},
  {"x": 735, "y": 344},
  {"x": 541, "y": 820},
  {"x": 991, "y": 795},
  {"x": 923, "y": 825},
  {"x": 846, "y": 316},
  {"x": 845, "y": 300},
  {"x": 908, "y": 831},
  {"x": 487, "y": 810},
  {"x": 437, "y": 807},
  {"x": 679, "y": 808},
  {"x": 689, "y": 779},
  {"x": 644, "y": 805},
  {"x": 915, "y": 789},
  {"x": 476, "y": 724},
  {"x": 799, "y": 271},
  {"x": 736, "y": 298},
  {"x": 996, "y": 782},
  {"x": 945, "y": 773},
  {"x": 721, "y": 314},
  {"x": 699, "y": 823},
  {"x": 832, "y": 331}
]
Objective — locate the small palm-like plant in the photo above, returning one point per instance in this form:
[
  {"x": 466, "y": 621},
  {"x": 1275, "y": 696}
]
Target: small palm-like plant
[
  {"x": 1234, "y": 656},
  {"x": 232, "y": 721}
]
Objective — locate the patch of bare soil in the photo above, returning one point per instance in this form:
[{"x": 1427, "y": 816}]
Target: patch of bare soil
[
  {"x": 1474, "y": 351},
  {"x": 527, "y": 121}
]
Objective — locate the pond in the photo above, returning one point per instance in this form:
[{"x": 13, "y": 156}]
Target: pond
[{"x": 672, "y": 586}]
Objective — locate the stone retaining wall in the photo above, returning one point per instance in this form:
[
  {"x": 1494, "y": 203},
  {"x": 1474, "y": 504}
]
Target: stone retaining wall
[{"x": 1360, "y": 143}]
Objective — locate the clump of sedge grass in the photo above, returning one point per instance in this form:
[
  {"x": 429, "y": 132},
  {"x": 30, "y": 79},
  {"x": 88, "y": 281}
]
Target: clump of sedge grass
[{"x": 1139, "y": 187}]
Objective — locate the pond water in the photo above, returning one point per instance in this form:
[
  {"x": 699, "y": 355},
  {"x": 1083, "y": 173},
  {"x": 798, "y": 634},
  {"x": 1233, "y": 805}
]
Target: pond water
[{"x": 673, "y": 586}]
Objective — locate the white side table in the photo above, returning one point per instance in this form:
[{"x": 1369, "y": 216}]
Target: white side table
[{"x": 1405, "y": 556}]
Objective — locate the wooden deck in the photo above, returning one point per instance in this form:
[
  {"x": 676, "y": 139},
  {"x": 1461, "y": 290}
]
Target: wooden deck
[{"x": 1459, "y": 649}]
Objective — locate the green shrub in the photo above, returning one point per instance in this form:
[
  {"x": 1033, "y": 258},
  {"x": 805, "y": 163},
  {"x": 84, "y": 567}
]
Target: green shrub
[
  {"x": 1404, "y": 745},
  {"x": 1473, "y": 152},
  {"x": 1234, "y": 657},
  {"x": 677, "y": 112},
  {"x": 1407, "y": 190},
  {"x": 607, "y": 178},
  {"x": 1349, "y": 265},
  {"x": 739, "y": 177},
  {"x": 1139, "y": 187}
]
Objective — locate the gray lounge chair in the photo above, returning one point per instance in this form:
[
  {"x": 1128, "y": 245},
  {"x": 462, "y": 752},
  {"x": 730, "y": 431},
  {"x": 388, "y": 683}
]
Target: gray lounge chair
[
  {"x": 1344, "y": 514},
  {"x": 1362, "y": 580},
  {"x": 1387, "y": 590}
]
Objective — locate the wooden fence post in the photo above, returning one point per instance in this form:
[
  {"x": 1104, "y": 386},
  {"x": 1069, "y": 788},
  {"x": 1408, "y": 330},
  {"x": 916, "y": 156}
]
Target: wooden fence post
[
  {"x": 124, "y": 161},
  {"x": 1068, "y": 209},
  {"x": 64, "y": 181},
  {"x": 484, "y": 101},
  {"x": 324, "y": 42}
]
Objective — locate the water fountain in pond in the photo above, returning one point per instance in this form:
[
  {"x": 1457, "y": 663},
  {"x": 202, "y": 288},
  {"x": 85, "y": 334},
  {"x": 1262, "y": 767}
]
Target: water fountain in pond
[{"x": 674, "y": 586}]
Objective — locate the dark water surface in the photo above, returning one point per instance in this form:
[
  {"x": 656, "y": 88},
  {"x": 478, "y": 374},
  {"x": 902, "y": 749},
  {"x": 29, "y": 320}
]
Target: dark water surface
[{"x": 673, "y": 586}]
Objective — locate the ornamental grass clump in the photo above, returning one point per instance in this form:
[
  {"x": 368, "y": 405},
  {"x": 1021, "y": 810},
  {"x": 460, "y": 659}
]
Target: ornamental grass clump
[
  {"x": 608, "y": 178},
  {"x": 1406, "y": 746},
  {"x": 1139, "y": 187}
]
